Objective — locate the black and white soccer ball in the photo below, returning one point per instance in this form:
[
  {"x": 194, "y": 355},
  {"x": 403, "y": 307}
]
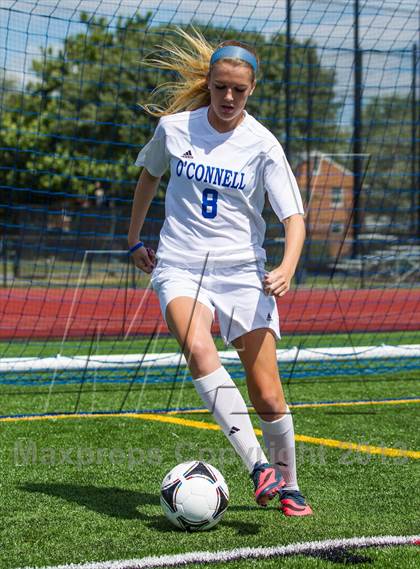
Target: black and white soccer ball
[{"x": 194, "y": 496}]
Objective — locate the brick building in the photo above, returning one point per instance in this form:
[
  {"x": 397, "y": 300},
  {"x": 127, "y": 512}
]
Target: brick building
[{"x": 328, "y": 199}]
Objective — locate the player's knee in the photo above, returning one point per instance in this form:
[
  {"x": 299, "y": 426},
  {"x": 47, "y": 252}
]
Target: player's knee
[
  {"x": 201, "y": 357},
  {"x": 198, "y": 347},
  {"x": 269, "y": 405}
]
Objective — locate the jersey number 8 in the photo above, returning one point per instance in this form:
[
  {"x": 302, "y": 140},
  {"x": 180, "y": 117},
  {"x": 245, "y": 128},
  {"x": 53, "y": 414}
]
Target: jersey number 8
[{"x": 209, "y": 203}]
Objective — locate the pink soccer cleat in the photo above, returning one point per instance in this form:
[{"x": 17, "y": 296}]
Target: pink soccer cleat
[
  {"x": 292, "y": 503},
  {"x": 267, "y": 482}
]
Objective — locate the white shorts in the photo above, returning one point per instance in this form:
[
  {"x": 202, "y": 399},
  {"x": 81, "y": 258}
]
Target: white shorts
[{"x": 236, "y": 295}]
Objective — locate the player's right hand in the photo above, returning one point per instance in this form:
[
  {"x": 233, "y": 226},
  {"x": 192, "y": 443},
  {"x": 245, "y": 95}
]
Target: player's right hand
[{"x": 145, "y": 259}]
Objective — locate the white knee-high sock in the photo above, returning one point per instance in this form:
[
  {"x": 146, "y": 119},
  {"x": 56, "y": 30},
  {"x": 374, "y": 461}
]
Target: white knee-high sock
[
  {"x": 224, "y": 400},
  {"x": 279, "y": 438}
]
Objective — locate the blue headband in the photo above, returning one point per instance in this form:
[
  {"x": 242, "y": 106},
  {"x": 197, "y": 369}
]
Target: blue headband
[{"x": 235, "y": 52}]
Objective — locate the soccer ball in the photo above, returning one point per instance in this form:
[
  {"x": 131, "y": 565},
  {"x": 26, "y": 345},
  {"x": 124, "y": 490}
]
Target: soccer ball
[{"x": 194, "y": 496}]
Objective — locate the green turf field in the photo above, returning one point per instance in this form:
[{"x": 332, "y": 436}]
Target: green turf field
[
  {"x": 86, "y": 488},
  {"x": 71, "y": 502}
]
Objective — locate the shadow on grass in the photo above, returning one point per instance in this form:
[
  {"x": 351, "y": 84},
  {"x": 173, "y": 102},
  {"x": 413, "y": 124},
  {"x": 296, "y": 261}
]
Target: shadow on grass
[
  {"x": 127, "y": 504},
  {"x": 341, "y": 556},
  {"x": 114, "y": 502},
  {"x": 162, "y": 525}
]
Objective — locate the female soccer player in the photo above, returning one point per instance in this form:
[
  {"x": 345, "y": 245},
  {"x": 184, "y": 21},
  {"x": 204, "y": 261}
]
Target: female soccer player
[{"x": 210, "y": 258}]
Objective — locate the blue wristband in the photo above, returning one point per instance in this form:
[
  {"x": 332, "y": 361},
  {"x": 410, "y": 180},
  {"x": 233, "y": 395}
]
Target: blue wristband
[{"x": 135, "y": 247}]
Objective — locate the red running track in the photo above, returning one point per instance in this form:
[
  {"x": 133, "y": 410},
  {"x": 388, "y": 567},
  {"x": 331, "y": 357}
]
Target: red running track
[{"x": 57, "y": 313}]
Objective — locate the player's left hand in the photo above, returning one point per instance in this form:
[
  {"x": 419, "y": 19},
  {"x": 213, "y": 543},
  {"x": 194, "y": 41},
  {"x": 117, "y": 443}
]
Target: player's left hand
[
  {"x": 277, "y": 282},
  {"x": 152, "y": 256}
]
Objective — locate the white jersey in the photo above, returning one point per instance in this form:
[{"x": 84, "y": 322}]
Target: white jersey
[{"x": 216, "y": 192}]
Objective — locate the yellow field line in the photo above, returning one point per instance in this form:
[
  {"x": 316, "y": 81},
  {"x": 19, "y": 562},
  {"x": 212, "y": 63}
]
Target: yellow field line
[
  {"x": 369, "y": 449},
  {"x": 148, "y": 416},
  {"x": 161, "y": 418},
  {"x": 351, "y": 403},
  {"x": 201, "y": 411},
  {"x": 321, "y": 404}
]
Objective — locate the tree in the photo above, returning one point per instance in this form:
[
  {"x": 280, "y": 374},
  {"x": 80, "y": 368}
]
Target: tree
[
  {"x": 80, "y": 119},
  {"x": 387, "y": 132}
]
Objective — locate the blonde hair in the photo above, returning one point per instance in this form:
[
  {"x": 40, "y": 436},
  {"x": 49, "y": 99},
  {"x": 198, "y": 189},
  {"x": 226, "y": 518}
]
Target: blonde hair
[{"x": 192, "y": 65}]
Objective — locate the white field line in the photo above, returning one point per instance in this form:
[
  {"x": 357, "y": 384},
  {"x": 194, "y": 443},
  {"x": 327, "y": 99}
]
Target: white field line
[
  {"x": 172, "y": 359},
  {"x": 306, "y": 548}
]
